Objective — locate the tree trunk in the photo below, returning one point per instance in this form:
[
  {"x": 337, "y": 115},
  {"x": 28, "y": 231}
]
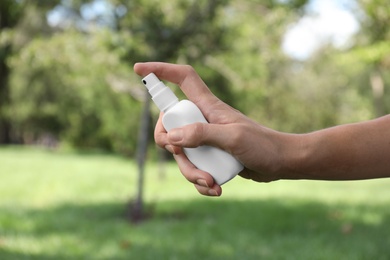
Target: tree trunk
[
  {"x": 137, "y": 210},
  {"x": 378, "y": 89},
  {"x": 5, "y": 126}
]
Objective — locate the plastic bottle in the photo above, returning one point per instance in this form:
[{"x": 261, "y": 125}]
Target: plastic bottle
[{"x": 218, "y": 163}]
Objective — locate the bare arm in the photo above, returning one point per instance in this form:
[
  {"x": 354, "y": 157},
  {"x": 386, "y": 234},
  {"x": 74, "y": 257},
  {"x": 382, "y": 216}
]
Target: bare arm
[{"x": 345, "y": 152}]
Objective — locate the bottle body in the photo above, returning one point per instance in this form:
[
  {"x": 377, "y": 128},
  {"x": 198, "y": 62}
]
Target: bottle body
[{"x": 218, "y": 163}]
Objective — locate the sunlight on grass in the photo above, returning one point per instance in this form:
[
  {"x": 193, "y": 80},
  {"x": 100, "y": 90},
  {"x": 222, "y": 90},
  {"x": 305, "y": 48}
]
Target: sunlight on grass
[{"x": 67, "y": 205}]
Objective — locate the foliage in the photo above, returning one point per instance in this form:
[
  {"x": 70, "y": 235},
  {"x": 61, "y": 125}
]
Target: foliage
[
  {"x": 69, "y": 75},
  {"x": 325, "y": 90},
  {"x": 62, "y": 87},
  {"x": 373, "y": 49},
  {"x": 66, "y": 77},
  {"x": 20, "y": 21}
]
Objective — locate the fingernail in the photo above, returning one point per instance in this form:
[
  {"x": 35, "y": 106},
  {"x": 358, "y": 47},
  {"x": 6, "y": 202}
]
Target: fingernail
[
  {"x": 169, "y": 148},
  {"x": 202, "y": 182},
  {"x": 212, "y": 192},
  {"x": 175, "y": 135}
]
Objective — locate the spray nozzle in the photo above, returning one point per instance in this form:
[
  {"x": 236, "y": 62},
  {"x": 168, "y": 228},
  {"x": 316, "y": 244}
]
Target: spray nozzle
[
  {"x": 162, "y": 96},
  {"x": 150, "y": 81}
]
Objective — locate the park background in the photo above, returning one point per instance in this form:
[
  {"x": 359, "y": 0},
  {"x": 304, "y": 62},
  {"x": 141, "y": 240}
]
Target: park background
[{"x": 81, "y": 177}]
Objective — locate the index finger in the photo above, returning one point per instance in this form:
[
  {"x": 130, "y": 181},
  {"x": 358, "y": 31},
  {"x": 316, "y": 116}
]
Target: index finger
[{"x": 184, "y": 76}]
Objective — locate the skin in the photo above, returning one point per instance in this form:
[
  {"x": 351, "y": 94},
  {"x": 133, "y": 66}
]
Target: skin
[{"x": 345, "y": 152}]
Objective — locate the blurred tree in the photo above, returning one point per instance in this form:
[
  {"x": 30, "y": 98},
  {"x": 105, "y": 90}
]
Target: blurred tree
[
  {"x": 63, "y": 87},
  {"x": 255, "y": 63},
  {"x": 20, "y": 21},
  {"x": 280, "y": 91},
  {"x": 320, "y": 92},
  {"x": 238, "y": 41},
  {"x": 373, "y": 49},
  {"x": 10, "y": 13}
]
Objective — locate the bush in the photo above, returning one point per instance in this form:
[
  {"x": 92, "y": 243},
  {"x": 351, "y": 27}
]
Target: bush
[{"x": 63, "y": 86}]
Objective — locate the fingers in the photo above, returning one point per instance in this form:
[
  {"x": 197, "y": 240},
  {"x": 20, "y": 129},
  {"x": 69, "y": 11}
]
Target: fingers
[
  {"x": 203, "y": 181},
  {"x": 161, "y": 138},
  {"x": 184, "y": 76},
  {"x": 215, "y": 191},
  {"x": 160, "y": 134},
  {"x": 194, "y": 135}
]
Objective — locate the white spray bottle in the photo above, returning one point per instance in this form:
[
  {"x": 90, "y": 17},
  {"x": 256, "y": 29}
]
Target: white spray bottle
[{"x": 218, "y": 163}]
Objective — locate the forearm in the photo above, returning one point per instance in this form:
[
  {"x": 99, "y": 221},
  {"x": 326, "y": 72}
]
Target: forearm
[{"x": 346, "y": 152}]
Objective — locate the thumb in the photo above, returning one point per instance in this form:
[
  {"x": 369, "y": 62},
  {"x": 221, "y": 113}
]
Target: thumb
[{"x": 197, "y": 134}]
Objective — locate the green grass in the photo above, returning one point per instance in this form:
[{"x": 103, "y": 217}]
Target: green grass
[{"x": 58, "y": 205}]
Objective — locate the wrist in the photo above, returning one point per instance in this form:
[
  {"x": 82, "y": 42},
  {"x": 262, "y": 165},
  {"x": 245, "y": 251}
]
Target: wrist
[{"x": 293, "y": 151}]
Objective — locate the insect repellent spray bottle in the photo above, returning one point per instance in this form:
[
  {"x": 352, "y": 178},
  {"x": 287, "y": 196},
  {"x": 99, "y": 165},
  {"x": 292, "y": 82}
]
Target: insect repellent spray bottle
[{"x": 218, "y": 163}]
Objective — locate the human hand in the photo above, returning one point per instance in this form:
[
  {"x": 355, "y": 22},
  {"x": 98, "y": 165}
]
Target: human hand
[{"x": 257, "y": 147}]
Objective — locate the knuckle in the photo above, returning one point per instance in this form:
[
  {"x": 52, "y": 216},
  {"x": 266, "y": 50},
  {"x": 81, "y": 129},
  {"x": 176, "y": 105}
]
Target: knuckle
[
  {"x": 160, "y": 138},
  {"x": 188, "y": 74},
  {"x": 197, "y": 133},
  {"x": 189, "y": 69}
]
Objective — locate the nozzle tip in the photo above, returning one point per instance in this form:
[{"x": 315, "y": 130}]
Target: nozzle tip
[{"x": 150, "y": 80}]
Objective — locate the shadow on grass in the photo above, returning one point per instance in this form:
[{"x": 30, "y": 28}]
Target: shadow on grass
[{"x": 198, "y": 229}]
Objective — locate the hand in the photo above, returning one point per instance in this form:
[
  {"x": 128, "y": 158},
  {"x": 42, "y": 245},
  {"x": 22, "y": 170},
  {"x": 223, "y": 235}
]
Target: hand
[{"x": 257, "y": 147}]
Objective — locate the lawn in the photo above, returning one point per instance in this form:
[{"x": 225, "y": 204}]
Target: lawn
[{"x": 69, "y": 205}]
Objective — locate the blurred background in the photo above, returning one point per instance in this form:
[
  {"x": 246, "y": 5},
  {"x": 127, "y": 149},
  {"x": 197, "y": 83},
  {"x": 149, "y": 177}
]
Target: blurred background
[{"x": 76, "y": 129}]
